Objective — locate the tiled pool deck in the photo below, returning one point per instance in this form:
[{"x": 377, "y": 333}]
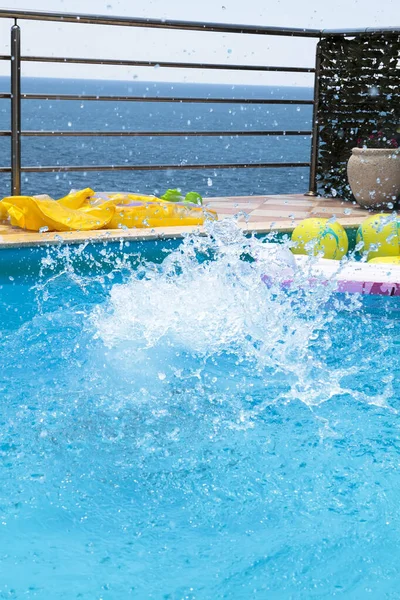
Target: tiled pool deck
[{"x": 259, "y": 214}]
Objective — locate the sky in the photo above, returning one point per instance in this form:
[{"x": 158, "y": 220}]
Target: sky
[{"x": 56, "y": 39}]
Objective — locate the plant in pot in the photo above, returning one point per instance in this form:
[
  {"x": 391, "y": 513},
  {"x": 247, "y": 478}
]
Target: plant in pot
[{"x": 373, "y": 170}]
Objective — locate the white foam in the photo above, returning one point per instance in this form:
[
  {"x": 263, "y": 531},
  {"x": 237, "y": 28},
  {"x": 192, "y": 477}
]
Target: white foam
[{"x": 188, "y": 311}]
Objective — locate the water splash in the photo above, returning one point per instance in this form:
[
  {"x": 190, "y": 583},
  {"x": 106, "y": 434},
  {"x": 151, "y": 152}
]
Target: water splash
[{"x": 208, "y": 300}]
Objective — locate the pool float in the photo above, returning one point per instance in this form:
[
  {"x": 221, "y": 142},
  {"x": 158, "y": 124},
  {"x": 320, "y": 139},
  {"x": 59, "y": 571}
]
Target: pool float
[
  {"x": 86, "y": 210},
  {"x": 139, "y": 212},
  {"x": 3, "y": 212},
  {"x": 359, "y": 278},
  {"x": 372, "y": 278},
  {"x": 39, "y": 214}
]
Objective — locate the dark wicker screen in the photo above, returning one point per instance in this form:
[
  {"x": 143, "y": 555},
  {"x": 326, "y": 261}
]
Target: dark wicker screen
[{"x": 359, "y": 94}]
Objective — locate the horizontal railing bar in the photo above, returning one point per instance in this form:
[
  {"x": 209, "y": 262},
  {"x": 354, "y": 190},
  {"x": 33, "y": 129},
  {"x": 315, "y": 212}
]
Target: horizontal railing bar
[
  {"x": 248, "y": 132},
  {"x": 181, "y": 100},
  {"x": 357, "y": 32},
  {"x": 174, "y": 65},
  {"x": 156, "y": 23},
  {"x": 161, "y": 64},
  {"x": 64, "y": 169},
  {"x": 187, "y": 25}
]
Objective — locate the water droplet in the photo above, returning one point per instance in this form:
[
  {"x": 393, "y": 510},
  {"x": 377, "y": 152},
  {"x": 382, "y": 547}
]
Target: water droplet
[
  {"x": 161, "y": 376},
  {"x": 209, "y": 182},
  {"x": 373, "y": 91},
  {"x": 69, "y": 124},
  {"x": 43, "y": 229}
]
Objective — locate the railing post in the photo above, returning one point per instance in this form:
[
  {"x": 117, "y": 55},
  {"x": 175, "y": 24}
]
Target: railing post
[
  {"x": 312, "y": 190},
  {"x": 15, "y": 110}
]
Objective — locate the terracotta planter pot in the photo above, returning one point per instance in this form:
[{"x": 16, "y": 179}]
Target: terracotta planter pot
[{"x": 374, "y": 176}]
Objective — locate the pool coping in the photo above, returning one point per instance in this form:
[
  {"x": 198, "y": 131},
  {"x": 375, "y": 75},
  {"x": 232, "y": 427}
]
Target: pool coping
[{"x": 28, "y": 239}]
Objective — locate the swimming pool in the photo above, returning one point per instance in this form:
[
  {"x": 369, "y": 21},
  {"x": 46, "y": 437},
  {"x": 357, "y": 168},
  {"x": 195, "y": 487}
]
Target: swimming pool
[{"x": 172, "y": 428}]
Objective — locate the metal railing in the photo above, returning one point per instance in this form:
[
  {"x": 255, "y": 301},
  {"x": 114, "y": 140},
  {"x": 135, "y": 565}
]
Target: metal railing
[{"x": 16, "y": 97}]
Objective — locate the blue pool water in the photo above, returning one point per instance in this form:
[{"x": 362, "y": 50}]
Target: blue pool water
[{"x": 171, "y": 428}]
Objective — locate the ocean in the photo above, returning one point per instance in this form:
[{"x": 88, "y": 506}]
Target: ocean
[{"x": 52, "y": 115}]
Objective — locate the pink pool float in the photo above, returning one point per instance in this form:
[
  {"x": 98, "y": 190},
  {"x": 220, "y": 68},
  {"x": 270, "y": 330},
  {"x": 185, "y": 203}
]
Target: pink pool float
[
  {"x": 358, "y": 277},
  {"x": 352, "y": 277}
]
